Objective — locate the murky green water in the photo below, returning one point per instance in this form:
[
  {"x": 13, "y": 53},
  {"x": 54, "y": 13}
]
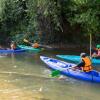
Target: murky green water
[{"x": 26, "y": 77}]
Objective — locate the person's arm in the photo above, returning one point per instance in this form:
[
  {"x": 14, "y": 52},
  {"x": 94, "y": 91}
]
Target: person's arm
[{"x": 82, "y": 63}]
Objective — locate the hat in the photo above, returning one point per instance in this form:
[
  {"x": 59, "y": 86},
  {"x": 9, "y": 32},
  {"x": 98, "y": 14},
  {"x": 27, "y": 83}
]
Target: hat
[
  {"x": 83, "y": 54},
  {"x": 12, "y": 41},
  {"x": 98, "y": 46}
]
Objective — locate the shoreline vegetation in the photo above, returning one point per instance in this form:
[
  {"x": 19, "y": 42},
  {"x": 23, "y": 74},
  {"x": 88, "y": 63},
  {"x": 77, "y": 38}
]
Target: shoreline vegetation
[
  {"x": 73, "y": 47},
  {"x": 58, "y": 21}
]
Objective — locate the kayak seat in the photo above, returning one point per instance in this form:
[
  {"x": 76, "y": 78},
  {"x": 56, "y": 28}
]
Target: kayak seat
[
  {"x": 66, "y": 66},
  {"x": 53, "y": 60},
  {"x": 45, "y": 58},
  {"x": 94, "y": 73}
]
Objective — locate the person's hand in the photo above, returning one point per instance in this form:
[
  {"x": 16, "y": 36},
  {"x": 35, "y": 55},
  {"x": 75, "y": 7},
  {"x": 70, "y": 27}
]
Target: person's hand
[{"x": 75, "y": 68}]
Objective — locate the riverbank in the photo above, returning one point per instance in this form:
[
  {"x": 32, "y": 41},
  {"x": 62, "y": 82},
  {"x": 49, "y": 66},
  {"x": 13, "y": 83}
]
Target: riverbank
[
  {"x": 69, "y": 47},
  {"x": 72, "y": 47}
]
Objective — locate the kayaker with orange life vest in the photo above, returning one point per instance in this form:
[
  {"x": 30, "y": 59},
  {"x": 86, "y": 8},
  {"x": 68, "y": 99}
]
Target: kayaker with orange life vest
[
  {"x": 85, "y": 64},
  {"x": 13, "y": 45},
  {"x": 35, "y": 44}
]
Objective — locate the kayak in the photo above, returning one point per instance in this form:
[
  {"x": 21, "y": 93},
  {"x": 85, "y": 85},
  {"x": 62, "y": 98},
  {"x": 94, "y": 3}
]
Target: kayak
[
  {"x": 3, "y": 55},
  {"x": 29, "y": 48},
  {"x": 76, "y": 59},
  {"x": 65, "y": 69},
  {"x": 12, "y": 51}
]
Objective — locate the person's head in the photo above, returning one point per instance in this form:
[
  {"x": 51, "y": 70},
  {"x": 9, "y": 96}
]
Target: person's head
[
  {"x": 35, "y": 41},
  {"x": 12, "y": 42},
  {"x": 0, "y": 46},
  {"x": 83, "y": 55}
]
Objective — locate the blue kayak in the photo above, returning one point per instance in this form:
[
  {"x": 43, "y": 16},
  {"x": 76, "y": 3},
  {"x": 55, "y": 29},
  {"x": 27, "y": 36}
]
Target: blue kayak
[
  {"x": 65, "y": 69},
  {"x": 76, "y": 59},
  {"x": 12, "y": 51}
]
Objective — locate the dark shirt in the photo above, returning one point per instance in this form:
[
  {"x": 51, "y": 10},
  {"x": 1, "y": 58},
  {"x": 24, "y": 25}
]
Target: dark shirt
[
  {"x": 94, "y": 51},
  {"x": 82, "y": 63}
]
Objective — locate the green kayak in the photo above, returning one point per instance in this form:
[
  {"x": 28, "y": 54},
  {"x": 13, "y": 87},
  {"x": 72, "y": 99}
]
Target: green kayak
[{"x": 29, "y": 48}]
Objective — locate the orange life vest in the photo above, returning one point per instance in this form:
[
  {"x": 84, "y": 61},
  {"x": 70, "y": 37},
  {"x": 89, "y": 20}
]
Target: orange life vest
[
  {"x": 87, "y": 67},
  {"x": 35, "y": 45}
]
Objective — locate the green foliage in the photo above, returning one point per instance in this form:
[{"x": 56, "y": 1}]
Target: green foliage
[
  {"x": 56, "y": 18},
  {"x": 85, "y": 13},
  {"x": 13, "y": 16},
  {"x": 44, "y": 15},
  {"x": 18, "y": 38}
]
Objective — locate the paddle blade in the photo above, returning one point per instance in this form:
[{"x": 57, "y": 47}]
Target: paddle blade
[
  {"x": 26, "y": 41},
  {"x": 55, "y": 73}
]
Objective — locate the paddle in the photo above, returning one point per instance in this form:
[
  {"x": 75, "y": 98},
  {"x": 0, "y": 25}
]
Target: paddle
[
  {"x": 40, "y": 45},
  {"x": 25, "y": 40},
  {"x": 56, "y": 73}
]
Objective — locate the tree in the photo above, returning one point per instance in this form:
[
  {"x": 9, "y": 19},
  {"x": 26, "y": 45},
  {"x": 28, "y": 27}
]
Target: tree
[
  {"x": 57, "y": 20},
  {"x": 85, "y": 13}
]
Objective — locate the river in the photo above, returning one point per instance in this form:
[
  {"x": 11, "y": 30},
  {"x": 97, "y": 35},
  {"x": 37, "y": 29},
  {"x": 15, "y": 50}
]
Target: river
[{"x": 25, "y": 77}]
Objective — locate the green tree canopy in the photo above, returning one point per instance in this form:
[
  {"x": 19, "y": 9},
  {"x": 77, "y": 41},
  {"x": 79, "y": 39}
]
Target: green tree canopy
[{"x": 58, "y": 20}]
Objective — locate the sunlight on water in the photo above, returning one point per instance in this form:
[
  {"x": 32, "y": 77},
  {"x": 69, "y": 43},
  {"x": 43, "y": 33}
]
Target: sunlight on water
[{"x": 10, "y": 90}]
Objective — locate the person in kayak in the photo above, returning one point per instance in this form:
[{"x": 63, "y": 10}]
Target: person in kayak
[
  {"x": 85, "y": 64},
  {"x": 35, "y": 44},
  {"x": 1, "y": 48},
  {"x": 96, "y": 53},
  {"x": 13, "y": 45}
]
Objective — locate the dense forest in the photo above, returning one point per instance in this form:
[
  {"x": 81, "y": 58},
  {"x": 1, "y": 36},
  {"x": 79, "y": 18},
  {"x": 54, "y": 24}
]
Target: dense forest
[{"x": 50, "y": 21}]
